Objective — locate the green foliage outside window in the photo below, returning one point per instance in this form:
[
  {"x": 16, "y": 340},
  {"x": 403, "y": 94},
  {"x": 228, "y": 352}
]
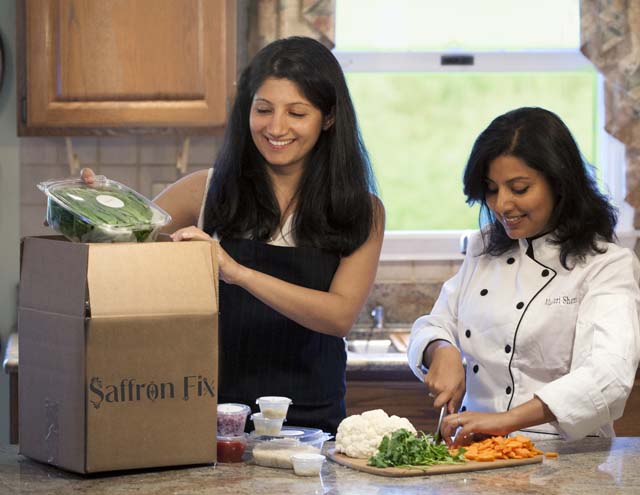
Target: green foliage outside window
[{"x": 419, "y": 129}]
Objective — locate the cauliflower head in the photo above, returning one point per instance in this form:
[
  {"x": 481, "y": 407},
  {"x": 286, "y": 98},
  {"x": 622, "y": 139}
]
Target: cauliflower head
[{"x": 360, "y": 434}]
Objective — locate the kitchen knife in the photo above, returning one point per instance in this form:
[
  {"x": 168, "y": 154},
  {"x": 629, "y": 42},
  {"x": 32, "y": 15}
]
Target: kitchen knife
[{"x": 437, "y": 437}]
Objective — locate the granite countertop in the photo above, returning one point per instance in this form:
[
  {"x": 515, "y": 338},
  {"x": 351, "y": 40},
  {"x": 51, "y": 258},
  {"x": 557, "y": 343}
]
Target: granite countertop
[{"x": 589, "y": 466}]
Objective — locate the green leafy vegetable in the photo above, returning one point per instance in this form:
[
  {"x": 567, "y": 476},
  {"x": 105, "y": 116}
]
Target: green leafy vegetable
[
  {"x": 104, "y": 212},
  {"x": 86, "y": 203},
  {"x": 404, "y": 449}
]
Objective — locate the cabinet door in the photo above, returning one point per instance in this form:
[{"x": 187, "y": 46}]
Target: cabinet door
[
  {"x": 123, "y": 64},
  {"x": 404, "y": 398}
]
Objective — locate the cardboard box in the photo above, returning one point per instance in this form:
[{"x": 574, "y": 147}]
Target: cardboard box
[{"x": 118, "y": 354}]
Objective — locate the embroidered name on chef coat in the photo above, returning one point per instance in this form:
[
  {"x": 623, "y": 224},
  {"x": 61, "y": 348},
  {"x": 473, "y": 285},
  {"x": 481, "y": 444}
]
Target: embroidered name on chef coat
[{"x": 563, "y": 300}]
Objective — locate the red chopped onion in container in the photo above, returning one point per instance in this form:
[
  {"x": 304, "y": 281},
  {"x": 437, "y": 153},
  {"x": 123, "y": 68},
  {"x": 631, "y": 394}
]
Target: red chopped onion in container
[{"x": 232, "y": 418}]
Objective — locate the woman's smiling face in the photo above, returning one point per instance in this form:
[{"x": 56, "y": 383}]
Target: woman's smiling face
[
  {"x": 285, "y": 126},
  {"x": 519, "y": 196}
]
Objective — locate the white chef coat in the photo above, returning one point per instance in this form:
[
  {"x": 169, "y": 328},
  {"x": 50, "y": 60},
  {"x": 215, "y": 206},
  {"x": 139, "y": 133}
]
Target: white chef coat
[{"x": 530, "y": 327}]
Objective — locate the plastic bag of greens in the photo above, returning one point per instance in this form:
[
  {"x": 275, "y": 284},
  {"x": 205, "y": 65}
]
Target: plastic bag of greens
[{"x": 105, "y": 211}]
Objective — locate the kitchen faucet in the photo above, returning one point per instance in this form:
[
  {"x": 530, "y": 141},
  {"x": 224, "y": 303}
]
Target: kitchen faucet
[{"x": 377, "y": 313}]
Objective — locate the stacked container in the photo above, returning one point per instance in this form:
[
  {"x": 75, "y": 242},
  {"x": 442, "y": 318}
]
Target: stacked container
[
  {"x": 285, "y": 447},
  {"x": 232, "y": 440}
]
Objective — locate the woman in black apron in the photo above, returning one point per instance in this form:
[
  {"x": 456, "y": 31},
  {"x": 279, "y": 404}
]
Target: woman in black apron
[{"x": 291, "y": 198}]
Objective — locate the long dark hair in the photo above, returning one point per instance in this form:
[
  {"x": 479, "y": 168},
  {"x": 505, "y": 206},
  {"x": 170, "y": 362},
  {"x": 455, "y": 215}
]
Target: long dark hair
[
  {"x": 334, "y": 206},
  {"x": 537, "y": 136}
]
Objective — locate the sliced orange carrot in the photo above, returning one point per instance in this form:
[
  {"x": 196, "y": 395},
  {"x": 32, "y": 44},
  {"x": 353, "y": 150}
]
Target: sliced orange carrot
[{"x": 518, "y": 447}]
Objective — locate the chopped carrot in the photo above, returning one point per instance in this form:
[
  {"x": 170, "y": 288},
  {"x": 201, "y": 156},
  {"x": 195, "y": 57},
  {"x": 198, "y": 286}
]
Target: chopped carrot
[
  {"x": 482, "y": 458},
  {"x": 490, "y": 449}
]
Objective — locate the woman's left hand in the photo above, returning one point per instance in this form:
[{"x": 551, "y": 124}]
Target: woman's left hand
[
  {"x": 230, "y": 270},
  {"x": 473, "y": 426}
]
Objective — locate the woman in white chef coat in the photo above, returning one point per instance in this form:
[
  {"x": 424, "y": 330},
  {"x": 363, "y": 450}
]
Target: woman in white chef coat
[
  {"x": 291, "y": 199},
  {"x": 544, "y": 309}
]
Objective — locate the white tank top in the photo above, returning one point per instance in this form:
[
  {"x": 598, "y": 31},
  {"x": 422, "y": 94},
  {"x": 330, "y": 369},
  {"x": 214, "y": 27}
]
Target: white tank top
[{"x": 282, "y": 238}]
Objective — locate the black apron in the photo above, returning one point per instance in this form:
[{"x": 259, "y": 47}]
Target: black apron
[{"x": 264, "y": 353}]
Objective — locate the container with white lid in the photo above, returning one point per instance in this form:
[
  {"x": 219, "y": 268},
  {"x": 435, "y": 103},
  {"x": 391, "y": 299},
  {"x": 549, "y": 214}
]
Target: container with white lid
[
  {"x": 276, "y": 451},
  {"x": 307, "y": 464},
  {"x": 232, "y": 418},
  {"x": 266, "y": 426},
  {"x": 231, "y": 448},
  {"x": 105, "y": 211},
  {"x": 274, "y": 407},
  {"x": 307, "y": 436}
]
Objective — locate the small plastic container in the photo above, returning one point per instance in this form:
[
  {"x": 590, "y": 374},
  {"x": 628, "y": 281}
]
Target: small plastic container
[
  {"x": 232, "y": 418},
  {"x": 105, "y": 211},
  {"x": 231, "y": 448},
  {"x": 276, "y": 451},
  {"x": 306, "y": 436},
  {"x": 307, "y": 464},
  {"x": 266, "y": 426},
  {"x": 274, "y": 407}
]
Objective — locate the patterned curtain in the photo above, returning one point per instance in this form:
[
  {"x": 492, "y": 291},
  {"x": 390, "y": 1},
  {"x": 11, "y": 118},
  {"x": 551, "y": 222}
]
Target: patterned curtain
[
  {"x": 610, "y": 38},
  {"x": 270, "y": 20}
]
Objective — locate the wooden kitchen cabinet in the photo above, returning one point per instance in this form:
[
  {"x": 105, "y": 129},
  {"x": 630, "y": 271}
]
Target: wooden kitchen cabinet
[
  {"x": 629, "y": 424},
  {"x": 397, "y": 393},
  {"x": 117, "y": 66},
  {"x": 401, "y": 394}
]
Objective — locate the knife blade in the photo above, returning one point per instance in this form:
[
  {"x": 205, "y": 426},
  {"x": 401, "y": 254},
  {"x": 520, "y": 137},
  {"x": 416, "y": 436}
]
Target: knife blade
[{"x": 437, "y": 437}]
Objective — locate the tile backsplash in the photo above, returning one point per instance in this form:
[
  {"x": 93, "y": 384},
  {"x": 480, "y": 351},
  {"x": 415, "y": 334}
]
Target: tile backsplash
[{"x": 406, "y": 289}]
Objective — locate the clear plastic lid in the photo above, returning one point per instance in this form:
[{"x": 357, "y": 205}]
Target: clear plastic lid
[
  {"x": 231, "y": 418},
  {"x": 303, "y": 435},
  {"x": 233, "y": 408},
  {"x": 232, "y": 438},
  {"x": 105, "y": 211}
]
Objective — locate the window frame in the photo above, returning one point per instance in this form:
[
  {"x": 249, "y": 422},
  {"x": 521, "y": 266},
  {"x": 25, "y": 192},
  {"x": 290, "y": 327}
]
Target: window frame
[{"x": 401, "y": 245}]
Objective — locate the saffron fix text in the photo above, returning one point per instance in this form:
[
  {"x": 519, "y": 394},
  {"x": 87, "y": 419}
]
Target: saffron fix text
[{"x": 130, "y": 390}]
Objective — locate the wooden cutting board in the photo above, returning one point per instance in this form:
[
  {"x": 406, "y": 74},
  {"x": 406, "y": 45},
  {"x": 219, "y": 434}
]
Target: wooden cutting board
[
  {"x": 361, "y": 465},
  {"x": 400, "y": 340}
]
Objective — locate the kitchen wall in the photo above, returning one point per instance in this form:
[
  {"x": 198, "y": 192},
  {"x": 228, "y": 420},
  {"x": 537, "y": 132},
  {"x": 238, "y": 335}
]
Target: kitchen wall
[
  {"x": 9, "y": 201},
  {"x": 406, "y": 290}
]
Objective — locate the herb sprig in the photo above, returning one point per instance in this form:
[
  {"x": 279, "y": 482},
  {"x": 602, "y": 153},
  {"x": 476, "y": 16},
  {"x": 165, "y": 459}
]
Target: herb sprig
[{"x": 404, "y": 449}]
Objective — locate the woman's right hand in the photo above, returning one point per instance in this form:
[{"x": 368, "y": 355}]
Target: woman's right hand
[
  {"x": 87, "y": 175},
  {"x": 445, "y": 378}
]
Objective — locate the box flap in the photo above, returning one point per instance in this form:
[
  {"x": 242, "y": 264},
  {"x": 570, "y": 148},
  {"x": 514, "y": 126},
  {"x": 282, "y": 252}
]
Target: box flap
[
  {"x": 153, "y": 278},
  {"x": 53, "y": 276}
]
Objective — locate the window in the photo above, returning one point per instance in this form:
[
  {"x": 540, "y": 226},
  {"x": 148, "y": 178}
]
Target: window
[{"x": 419, "y": 115}]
